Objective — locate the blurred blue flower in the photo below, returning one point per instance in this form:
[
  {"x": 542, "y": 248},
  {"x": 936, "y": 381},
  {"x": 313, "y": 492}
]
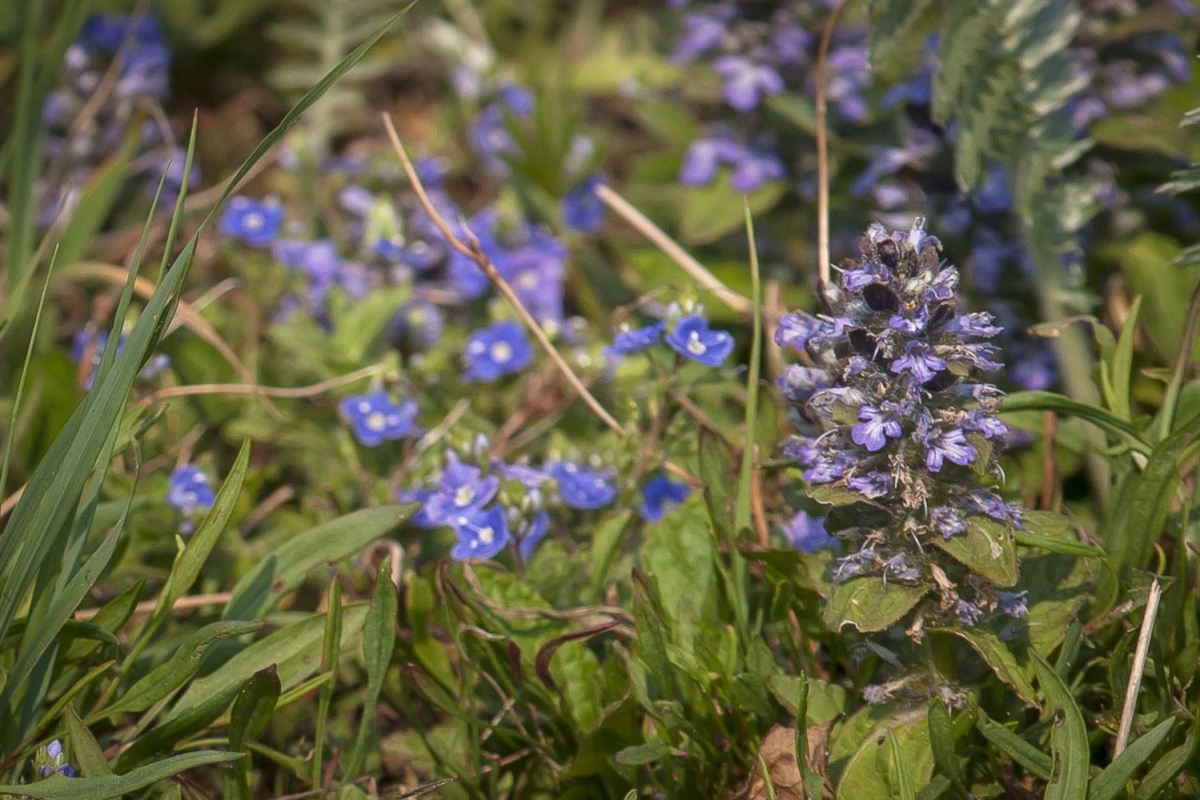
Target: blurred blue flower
[
  {"x": 252, "y": 222},
  {"x": 703, "y": 32},
  {"x": 375, "y": 418},
  {"x": 55, "y": 761},
  {"x": 494, "y": 352},
  {"x": 705, "y": 154},
  {"x": 633, "y": 340},
  {"x": 531, "y": 535},
  {"x": 660, "y": 494},
  {"x": 753, "y": 168},
  {"x": 188, "y": 490},
  {"x": 807, "y": 533},
  {"x": 582, "y": 209},
  {"x": 692, "y": 338},
  {"x": 746, "y": 81},
  {"x": 481, "y": 534},
  {"x": 87, "y": 347},
  {"x": 581, "y": 487}
]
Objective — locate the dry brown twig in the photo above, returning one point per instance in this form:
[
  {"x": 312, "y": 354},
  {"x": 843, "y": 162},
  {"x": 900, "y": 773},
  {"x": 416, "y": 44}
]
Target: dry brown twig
[
  {"x": 656, "y": 235},
  {"x": 472, "y": 250}
]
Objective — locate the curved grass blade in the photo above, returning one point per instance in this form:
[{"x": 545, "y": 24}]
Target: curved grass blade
[{"x": 64, "y": 788}]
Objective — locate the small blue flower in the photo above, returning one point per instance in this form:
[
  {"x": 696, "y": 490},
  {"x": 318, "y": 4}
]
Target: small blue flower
[
  {"x": 252, "y": 222},
  {"x": 919, "y": 362},
  {"x": 55, "y": 761},
  {"x": 87, "y": 348},
  {"x": 532, "y": 534},
  {"x": 499, "y": 350},
  {"x": 582, "y": 209},
  {"x": 188, "y": 490},
  {"x": 464, "y": 489},
  {"x": 1014, "y": 604},
  {"x": 807, "y": 533},
  {"x": 581, "y": 487},
  {"x": 693, "y": 339},
  {"x": 947, "y": 521},
  {"x": 375, "y": 418},
  {"x": 873, "y": 484},
  {"x": 481, "y": 534},
  {"x": 633, "y": 340},
  {"x": 661, "y": 494}
]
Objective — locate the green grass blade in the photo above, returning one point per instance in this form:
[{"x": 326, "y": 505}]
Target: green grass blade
[{"x": 1111, "y": 782}]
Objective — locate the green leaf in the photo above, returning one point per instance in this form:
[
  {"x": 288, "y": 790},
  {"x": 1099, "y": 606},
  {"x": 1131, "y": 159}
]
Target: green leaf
[
  {"x": 1111, "y": 782},
  {"x": 169, "y": 676},
  {"x": 941, "y": 740},
  {"x": 831, "y": 494},
  {"x": 1122, "y": 362},
  {"x": 1057, "y": 587},
  {"x": 379, "y": 642},
  {"x": 964, "y": 35},
  {"x": 606, "y": 543},
  {"x": 875, "y": 772},
  {"x": 1052, "y": 532},
  {"x": 109, "y": 786},
  {"x": 1017, "y": 748},
  {"x": 1068, "y": 737},
  {"x": 869, "y": 604},
  {"x": 253, "y": 707},
  {"x": 84, "y": 747},
  {"x": 1167, "y": 769},
  {"x": 1050, "y": 401},
  {"x": 639, "y": 754},
  {"x": 716, "y": 473},
  {"x": 295, "y": 650},
  {"x": 680, "y": 554},
  {"x": 709, "y": 212},
  {"x": 987, "y": 548},
  {"x": 997, "y": 656},
  {"x": 285, "y": 568}
]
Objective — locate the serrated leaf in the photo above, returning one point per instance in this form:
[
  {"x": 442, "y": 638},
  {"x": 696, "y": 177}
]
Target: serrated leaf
[
  {"x": 987, "y": 548},
  {"x": 999, "y": 658},
  {"x": 869, "y": 604}
]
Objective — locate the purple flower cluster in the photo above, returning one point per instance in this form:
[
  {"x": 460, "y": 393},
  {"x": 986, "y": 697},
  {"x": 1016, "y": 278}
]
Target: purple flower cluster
[
  {"x": 76, "y": 143},
  {"x": 896, "y": 411},
  {"x": 490, "y": 506}
]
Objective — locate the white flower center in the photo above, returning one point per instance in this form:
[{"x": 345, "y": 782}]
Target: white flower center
[
  {"x": 502, "y": 352},
  {"x": 694, "y": 345},
  {"x": 486, "y": 534},
  {"x": 463, "y": 496},
  {"x": 253, "y": 221},
  {"x": 376, "y": 421}
]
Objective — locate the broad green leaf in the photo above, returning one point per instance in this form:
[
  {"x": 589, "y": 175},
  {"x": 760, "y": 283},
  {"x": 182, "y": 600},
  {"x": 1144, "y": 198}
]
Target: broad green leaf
[
  {"x": 284, "y": 569},
  {"x": 869, "y": 604},
  {"x": 997, "y": 656},
  {"x": 716, "y": 473},
  {"x": 987, "y": 548},
  {"x": 109, "y": 786},
  {"x": 706, "y": 213},
  {"x": 1057, "y": 588},
  {"x": 679, "y": 553},
  {"x": 253, "y": 707},
  {"x": 84, "y": 747},
  {"x": 606, "y": 542},
  {"x": 873, "y": 771},
  {"x": 169, "y": 676},
  {"x": 1068, "y": 737},
  {"x": 295, "y": 650},
  {"x": 835, "y": 495},
  {"x": 1112, "y": 780}
]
